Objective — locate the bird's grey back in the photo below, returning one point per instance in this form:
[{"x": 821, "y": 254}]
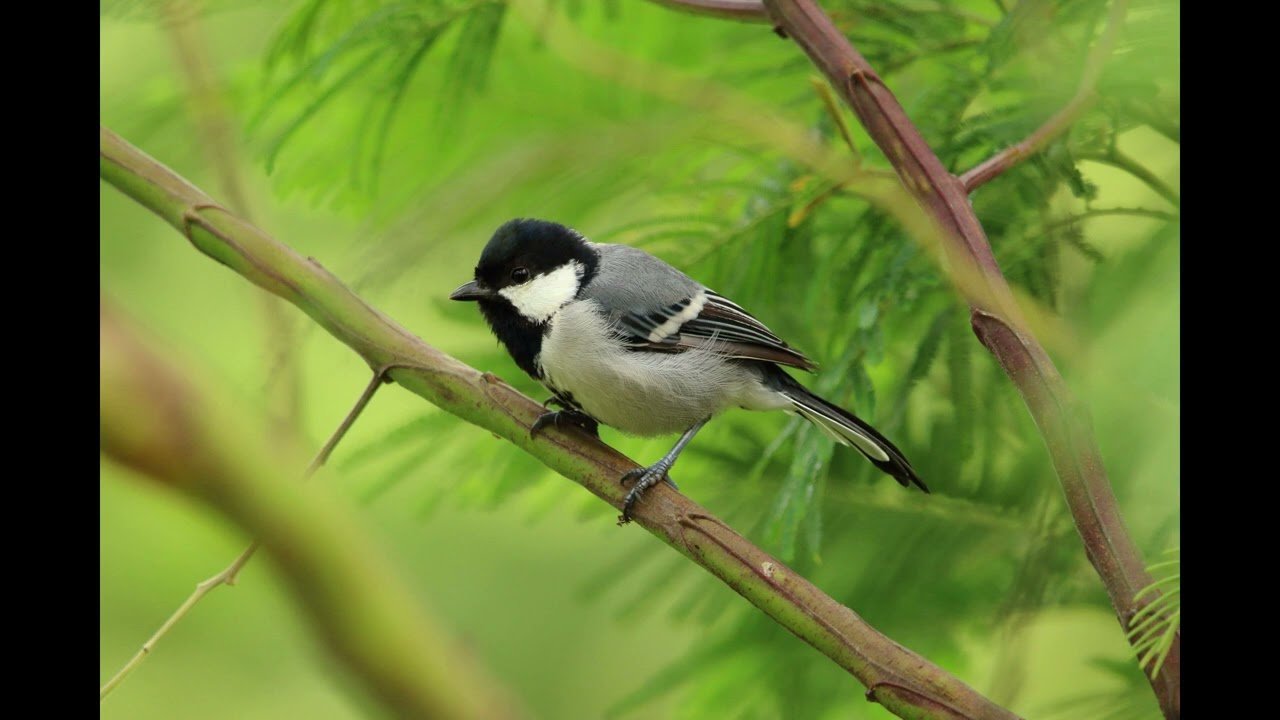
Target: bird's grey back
[{"x": 631, "y": 280}]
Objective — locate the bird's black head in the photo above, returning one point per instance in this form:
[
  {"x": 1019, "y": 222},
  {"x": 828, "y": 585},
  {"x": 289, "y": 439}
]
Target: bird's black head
[
  {"x": 529, "y": 269},
  {"x": 525, "y": 252},
  {"x": 523, "y": 249}
]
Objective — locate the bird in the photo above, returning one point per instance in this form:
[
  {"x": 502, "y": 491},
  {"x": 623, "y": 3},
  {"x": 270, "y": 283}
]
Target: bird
[{"x": 621, "y": 338}]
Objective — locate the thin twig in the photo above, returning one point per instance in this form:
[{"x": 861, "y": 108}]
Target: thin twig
[
  {"x": 993, "y": 166},
  {"x": 1117, "y": 159},
  {"x": 228, "y": 574},
  {"x": 226, "y": 577},
  {"x": 379, "y": 377},
  {"x": 1107, "y": 212}
]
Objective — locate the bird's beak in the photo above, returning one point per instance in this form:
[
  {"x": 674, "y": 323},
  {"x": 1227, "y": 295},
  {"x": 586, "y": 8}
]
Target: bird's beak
[{"x": 470, "y": 291}]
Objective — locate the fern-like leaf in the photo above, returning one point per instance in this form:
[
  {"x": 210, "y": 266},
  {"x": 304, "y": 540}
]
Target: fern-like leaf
[{"x": 1154, "y": 627}]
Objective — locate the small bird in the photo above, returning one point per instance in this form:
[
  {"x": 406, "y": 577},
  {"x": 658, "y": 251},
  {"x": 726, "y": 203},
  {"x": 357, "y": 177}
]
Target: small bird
[{"x": 622, "y": 338}]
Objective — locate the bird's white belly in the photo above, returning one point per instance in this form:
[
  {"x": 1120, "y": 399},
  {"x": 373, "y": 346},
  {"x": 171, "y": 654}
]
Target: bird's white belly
[{"x": 639, "y": 392}]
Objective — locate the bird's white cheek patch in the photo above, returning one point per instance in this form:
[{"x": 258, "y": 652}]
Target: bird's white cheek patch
[{"x": 542, "y": 296}]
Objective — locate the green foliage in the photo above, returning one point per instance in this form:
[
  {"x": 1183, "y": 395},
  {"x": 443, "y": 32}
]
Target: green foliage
[
  {"x": 1153, "y": 628},
  {"x": 373, "y": 50},
  {"x": 425, "y": 123},
  {"x": 1124, "y": 702}
]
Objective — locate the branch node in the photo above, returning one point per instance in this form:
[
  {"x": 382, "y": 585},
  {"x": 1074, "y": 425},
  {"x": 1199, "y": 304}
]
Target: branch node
[
  {"x": 919, "y": 699},
  {"x": 383, "y": 372},
  {"x": 197, "y": 207}
]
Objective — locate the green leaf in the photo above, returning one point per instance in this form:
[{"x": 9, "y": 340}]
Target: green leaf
[
  {"x": 1155, "y": 626},
  {"x": 960, "y": 369},
  {"x": 472, "y": 55},
  {"x": 799, "y": 492},
  {"x": 315, "y": 105}
]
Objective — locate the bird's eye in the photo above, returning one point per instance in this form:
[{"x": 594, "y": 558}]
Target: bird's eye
[{"x": 520, "y": 274}]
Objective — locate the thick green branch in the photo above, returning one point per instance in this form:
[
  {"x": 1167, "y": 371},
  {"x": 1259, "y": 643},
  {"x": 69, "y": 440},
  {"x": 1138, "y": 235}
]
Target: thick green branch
[
  {"x": 904, "y": 682},
  {"x": 995, "y": 316},
  {"x": 155, "y": 420}
]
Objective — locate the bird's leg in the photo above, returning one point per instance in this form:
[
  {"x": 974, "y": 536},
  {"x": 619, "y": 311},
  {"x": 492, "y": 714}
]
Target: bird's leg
[
  {"x": 569, "y": 415},
  {"x": 655, "y": 473}
]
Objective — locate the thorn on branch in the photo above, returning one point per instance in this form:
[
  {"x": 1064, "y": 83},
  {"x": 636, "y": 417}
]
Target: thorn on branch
[{"x": 780, "y": 32}]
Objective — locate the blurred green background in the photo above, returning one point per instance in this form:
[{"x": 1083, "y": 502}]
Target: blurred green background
[{"x": 388, "y": 140}]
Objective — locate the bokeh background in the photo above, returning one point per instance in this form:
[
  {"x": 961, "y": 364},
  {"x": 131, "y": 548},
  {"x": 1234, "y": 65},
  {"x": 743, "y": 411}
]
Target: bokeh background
[{"x": 388, "y": 140}]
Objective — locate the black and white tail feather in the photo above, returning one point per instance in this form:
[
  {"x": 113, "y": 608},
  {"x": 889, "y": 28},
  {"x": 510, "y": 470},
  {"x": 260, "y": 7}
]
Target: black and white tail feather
[{"x": 847, "y": 429}]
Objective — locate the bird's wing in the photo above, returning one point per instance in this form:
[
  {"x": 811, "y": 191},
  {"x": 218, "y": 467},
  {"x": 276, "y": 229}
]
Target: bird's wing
[
  {"x": 709, "y": 320},
  {"x": 655, "y": 307}
]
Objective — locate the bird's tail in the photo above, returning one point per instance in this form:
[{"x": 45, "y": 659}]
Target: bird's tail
[{"x": 847, "y": 429}]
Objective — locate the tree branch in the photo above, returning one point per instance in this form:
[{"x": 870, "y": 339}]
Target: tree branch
[
  {"x": 155, "y": 420},
  {"x": 906, "y": 683},
  {"x": 744, "y": 10},
  {"x": 1064, "y": 118},
  {"x": 995, "y": 317}
]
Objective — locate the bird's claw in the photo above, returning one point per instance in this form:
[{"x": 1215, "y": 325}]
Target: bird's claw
[
  {"x": 645, "y": 478},
  {"x": 557, "y": 417}
]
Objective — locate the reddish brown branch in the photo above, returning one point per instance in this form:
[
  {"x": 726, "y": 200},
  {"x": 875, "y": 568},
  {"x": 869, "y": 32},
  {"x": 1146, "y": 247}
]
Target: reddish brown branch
[
  {"x": 746, "y": 10},
  {"x": 1062, "y": 423},
  {"x": 1064, "y": 118}
]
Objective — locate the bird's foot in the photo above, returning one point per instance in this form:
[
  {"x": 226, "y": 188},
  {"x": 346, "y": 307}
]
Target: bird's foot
[
  {"x": 559, "y": 418},
  {"x": 645, "y": 478}
]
